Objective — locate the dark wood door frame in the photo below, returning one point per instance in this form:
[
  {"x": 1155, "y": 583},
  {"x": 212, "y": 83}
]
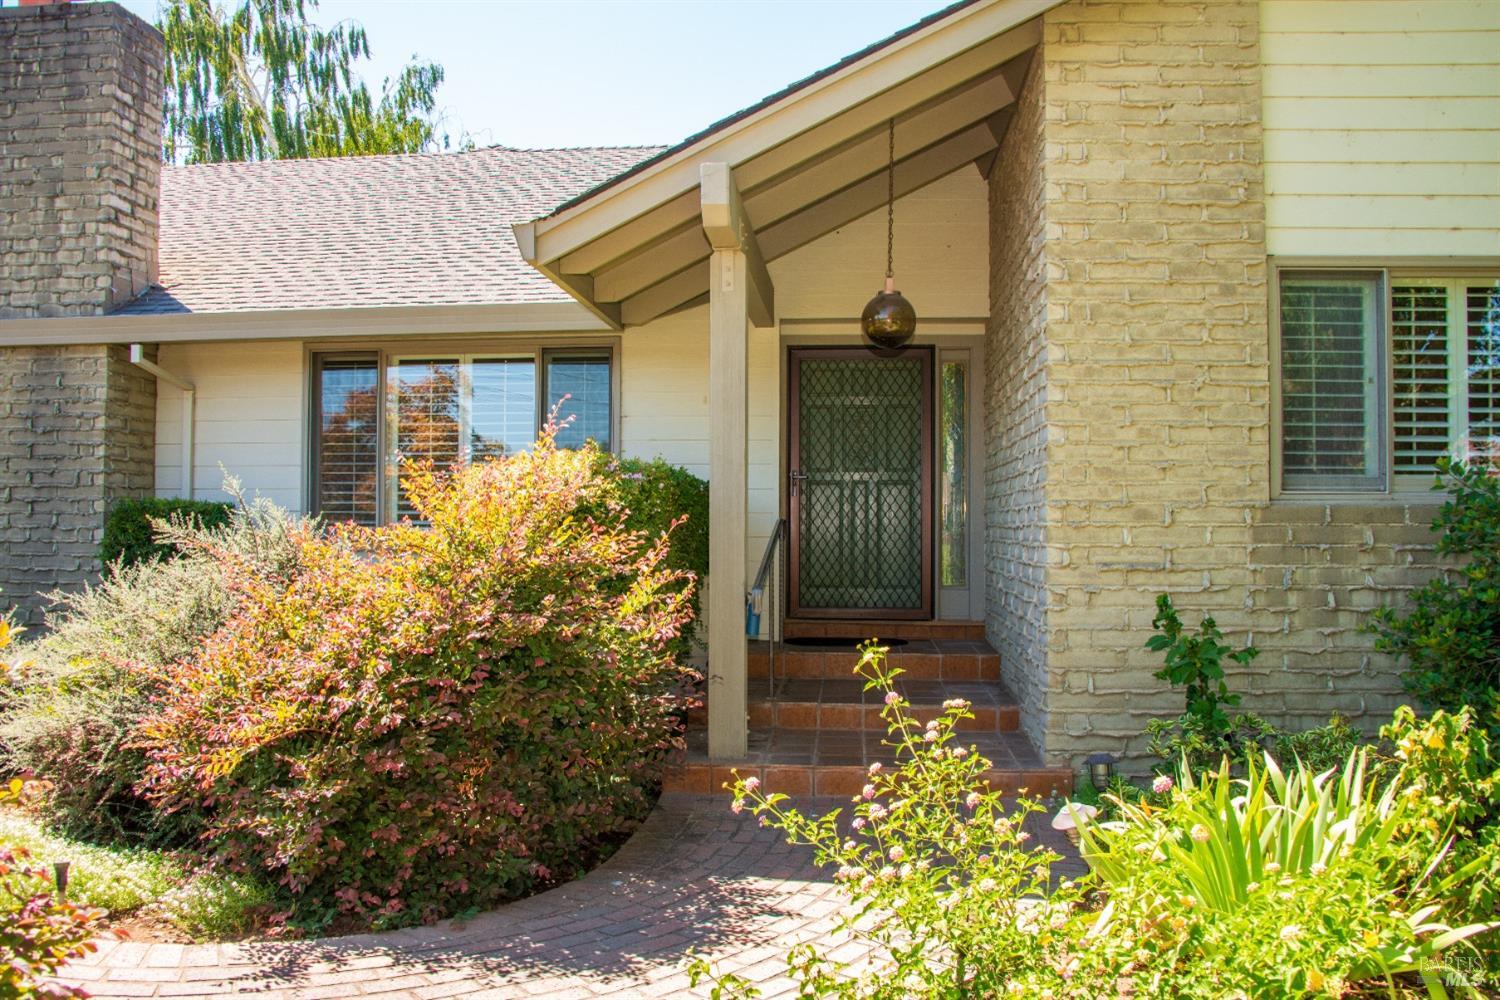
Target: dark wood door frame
[{"x": 793, "y": 492}]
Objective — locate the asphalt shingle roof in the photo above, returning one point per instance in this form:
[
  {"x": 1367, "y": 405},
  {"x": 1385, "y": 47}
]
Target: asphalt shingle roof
[{"x": 427, "y": 229}]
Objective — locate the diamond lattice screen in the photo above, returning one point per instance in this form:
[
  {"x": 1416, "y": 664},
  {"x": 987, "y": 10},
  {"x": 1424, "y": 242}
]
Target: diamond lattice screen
[{"x": 861, "y": 510}]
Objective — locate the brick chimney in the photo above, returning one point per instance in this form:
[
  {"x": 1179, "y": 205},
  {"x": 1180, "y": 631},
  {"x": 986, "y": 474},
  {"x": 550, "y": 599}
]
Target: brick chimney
[
  {"x": 80, "y": 157},
  {"x": 80, "y": 173}
]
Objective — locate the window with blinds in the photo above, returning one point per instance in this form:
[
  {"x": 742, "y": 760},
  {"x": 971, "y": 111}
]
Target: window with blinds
[
  {"x": 1441, "y": 382},
  {"x": 443, "y": 409},
  {"x": 346, "y": 446},
  {"x": 578, "y": 387},
  {"x": 1331, "y": 423}
]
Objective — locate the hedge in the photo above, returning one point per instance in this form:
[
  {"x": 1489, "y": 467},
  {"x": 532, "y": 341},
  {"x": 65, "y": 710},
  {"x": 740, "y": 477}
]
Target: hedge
[{"x": 128, "y": 536}]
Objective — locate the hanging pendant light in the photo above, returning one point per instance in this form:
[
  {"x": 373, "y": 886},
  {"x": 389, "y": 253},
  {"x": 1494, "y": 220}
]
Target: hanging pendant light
[{"x": 889, "y": 321}]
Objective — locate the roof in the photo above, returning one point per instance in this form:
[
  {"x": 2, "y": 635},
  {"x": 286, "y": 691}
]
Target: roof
[
  {"x": 765, "y": 102},
  {"x": 423, "y": 229}
]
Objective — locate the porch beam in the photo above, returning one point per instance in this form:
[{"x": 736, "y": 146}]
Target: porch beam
[
  {"x": 727, "y": 227},
  {"x": 728, "y": 471}
]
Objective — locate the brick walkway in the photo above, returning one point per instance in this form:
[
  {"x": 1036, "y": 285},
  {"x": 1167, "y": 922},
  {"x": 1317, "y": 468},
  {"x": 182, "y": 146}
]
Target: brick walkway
[{"x": 694, "y": 878}]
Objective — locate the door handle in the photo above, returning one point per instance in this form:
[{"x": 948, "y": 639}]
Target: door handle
[{"x": 796, "y": 476}]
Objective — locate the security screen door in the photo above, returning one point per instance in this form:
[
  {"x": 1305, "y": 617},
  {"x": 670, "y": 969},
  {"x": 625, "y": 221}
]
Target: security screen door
[{"x": 860, "y": 483}]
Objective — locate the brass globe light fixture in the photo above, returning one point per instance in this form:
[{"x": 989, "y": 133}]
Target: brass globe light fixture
[{"x": 889, "y": 321}]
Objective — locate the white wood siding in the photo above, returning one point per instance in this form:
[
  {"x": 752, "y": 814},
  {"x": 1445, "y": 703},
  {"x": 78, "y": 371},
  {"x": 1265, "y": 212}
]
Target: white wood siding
[
  {"x": 249, "y": 416},
  {"x": 1382, "y": 127}
]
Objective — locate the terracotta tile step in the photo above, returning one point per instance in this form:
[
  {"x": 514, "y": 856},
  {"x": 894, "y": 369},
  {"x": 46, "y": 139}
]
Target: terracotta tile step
[
  {"x": 838, "y": 703},
  {"x": 812, "y": 762},
  {"x": 919, "y": 659},
  {"x": 889, "y": 629}
]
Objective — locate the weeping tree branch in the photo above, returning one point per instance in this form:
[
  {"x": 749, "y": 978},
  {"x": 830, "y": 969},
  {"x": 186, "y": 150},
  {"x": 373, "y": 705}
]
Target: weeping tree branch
[{"x": 255, "y": 80}]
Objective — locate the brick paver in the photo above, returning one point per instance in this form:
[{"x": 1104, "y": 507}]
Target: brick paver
[{"x": 695, "y": 878}]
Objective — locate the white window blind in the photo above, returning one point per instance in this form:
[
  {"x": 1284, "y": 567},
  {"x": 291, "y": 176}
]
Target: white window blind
[
  {"x": 1420, "y": 371},
  {"x": 502, "y": 406},
  {"x": 346, "y": 452},
  {"x": 1482, "y": 322},
  {"x": 1330, "y": 395}
]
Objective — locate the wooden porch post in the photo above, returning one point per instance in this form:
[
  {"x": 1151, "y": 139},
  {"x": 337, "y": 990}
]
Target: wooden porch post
[{"x": 739, "y": 289}]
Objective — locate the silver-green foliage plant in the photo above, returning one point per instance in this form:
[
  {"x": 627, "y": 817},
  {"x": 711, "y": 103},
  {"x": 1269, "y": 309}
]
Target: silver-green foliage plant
[{"x": 70, "y": 711}]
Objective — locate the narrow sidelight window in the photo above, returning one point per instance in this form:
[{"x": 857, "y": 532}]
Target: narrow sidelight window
[
  {"x": 1331, "y": 395},
  {"x": 346, "y": 448},
  {"x": 953, "y": 440}
]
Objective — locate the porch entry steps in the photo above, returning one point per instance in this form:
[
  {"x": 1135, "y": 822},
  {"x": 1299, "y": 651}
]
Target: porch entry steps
[
  {"x": 816, "y": 731},
  {"x": 844, "y": 704},
  {"x": 919, "y": 659},
  {"x": 811, "y": 628},
  {"x": 836, "y": 762}
]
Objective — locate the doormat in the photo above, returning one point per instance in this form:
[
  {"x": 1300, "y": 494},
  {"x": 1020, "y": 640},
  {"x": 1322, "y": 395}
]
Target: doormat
[{"x": 838, "y": 641}]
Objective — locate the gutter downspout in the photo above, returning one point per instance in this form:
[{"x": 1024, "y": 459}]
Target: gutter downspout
[{"x": 138, "y": 358}]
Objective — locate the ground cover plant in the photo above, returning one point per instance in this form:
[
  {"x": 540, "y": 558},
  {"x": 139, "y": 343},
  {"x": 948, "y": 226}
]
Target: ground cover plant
[
  {"x": 144, "y": 884},
  {"x": 1285, "y": 882},
  {"x": 425, "y": 719}
]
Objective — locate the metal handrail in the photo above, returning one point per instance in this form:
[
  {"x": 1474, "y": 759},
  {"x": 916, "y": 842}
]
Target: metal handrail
[{"x": 772, "y": 571}]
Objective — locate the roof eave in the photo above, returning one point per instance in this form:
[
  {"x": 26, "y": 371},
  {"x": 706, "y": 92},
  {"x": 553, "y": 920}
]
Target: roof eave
[{"x": 303, "y": 324}]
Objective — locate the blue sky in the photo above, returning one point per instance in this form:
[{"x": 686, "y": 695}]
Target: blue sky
[{"x": 608, "y": 72}]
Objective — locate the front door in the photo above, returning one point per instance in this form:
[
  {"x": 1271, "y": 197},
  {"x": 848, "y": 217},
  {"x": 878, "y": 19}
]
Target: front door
[{"x": 860, "y": 486}]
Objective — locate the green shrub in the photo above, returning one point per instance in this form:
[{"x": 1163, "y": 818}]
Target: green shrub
[
  {"x": 1449, "y": 769},
  {"x": 1450, "y": 637},
  {"x": 1196, "y": 663},
  {"x": 1318, "y": 749},
  {"x": 70, "y": 714},
  {"x": 658, "y": 495},
  {"x": 430, "y": 719},
  {"x": 129, "y": 534}
]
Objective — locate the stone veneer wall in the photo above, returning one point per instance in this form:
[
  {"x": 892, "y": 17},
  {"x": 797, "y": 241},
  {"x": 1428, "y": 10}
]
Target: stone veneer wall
[
  {"x": 78, "y": 429},
  {"x": 80, "y": 169},
  {"x": 1156, "y": 396},
  {"x": 80, "y": 157},
  {"x": 1015, "y": 396}
]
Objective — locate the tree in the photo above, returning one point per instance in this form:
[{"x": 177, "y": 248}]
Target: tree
[{"x": 257, "y": 81}]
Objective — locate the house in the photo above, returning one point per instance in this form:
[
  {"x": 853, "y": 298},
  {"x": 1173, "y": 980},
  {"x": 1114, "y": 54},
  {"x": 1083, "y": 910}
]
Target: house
[{"x": 1204, "y": 289}]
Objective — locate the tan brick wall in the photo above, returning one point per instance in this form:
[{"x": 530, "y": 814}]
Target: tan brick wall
[
  {"x": 1015, "y": 397},
  {"x": 80, "y": 158},
  {"x": 1156, "y": 394},
  {"x": 77, "y": 430}
]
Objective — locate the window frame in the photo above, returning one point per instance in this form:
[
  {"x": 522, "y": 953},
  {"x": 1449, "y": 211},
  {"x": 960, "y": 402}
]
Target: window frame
[
  {"x": 386, "y": 352},
  {"x": 1390, "y": 271}
]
